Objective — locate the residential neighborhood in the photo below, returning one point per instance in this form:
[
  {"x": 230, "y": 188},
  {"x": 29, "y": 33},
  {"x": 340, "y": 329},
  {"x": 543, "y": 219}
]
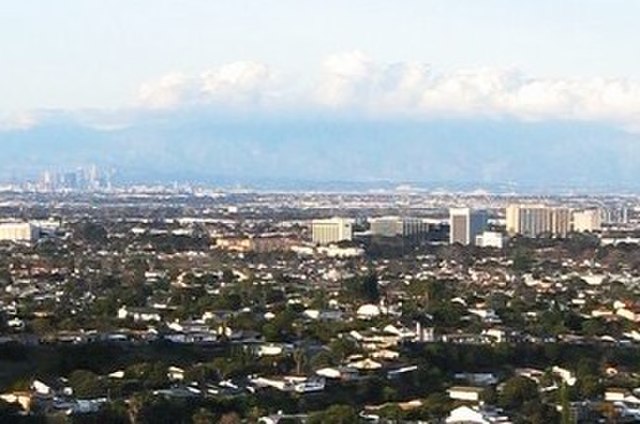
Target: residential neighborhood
[{"x": 239, "y": 307}]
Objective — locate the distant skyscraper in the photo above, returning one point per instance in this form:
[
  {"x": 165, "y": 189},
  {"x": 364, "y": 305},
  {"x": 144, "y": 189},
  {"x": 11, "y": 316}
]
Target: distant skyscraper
[
  {"x": 465, "y": 225},
  {"x": 46, "y": 182},
  {"x": 535, "y": 220},
  {"x": 326, "y": 231}
]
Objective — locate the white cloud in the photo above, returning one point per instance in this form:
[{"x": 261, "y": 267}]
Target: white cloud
[
  {"x": 237, "y": 83},
  {"x": 168, "y": 91},
  {"x": 353, "y": 82}
]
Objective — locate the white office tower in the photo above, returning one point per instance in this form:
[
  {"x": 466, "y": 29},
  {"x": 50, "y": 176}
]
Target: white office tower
[
  {"x": 18, "y": 231},
  {"x": 465, "y": 225},
  {"x": 326, "y": 231},
  {"x": 587, "y": 220},
  {"x": 535, "y": 220}
]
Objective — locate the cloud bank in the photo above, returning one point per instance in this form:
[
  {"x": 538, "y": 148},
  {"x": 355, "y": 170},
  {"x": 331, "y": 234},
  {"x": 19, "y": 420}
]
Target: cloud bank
[{"x": 352, "y": 82}]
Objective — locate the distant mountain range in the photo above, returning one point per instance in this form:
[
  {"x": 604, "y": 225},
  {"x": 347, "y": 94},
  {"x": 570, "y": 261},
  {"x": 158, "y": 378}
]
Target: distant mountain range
[{"x": 259, "y": 150}]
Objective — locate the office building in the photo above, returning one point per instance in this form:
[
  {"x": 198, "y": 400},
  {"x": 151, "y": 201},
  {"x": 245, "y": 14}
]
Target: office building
[
  {"x": 491, "y": 239},
  {"x": 465, "y": 225},
  {"x": 326, "y": 231},
  {"x": 396, "y": 226},
  {"x": 587, "y": 220},
  {"x": 536, "y": 220},
  {"x": 615, "y": 215},
  {"x": 18, "y": 231}
]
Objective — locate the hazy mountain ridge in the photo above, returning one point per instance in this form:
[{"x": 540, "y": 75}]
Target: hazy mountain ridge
[{"x": 486, "y": 151}]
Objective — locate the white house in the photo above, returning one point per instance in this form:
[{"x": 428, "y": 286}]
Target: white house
[
  {"x": 467, "y": 415},
  {"x": 139, "y": 314},
  {"x": 368, "y": 311},
  {"x": 466, "y": 393}
]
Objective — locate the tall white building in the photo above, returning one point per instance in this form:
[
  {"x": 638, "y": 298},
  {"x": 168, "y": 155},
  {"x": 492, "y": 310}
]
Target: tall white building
[
  {"x": 587, "y": 220},
  {"x": 18, "y": 231},
  {"x": 534, "y": 220},
  {"x": 326, "y": 231},
  {"x": 465, "y": 225}
]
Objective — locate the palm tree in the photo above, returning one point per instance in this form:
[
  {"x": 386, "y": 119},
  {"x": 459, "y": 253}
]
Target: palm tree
[{"x": 300, "y": 358}]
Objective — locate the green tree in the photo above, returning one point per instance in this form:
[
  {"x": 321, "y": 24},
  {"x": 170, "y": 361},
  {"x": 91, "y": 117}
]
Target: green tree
[
  {"x": 336, "y": 414},
  {"x": 86, "y": 384},
  {"x": 203, "y": 416},
  {"x": 566, "y": 417},
  {"x": 517, "y": 391},
  {"x": 370, "y": 289},
  {"x": 230, "y": 418},
  {"x": 92, "y": 233},
  {"x": 300, "y": 359}
]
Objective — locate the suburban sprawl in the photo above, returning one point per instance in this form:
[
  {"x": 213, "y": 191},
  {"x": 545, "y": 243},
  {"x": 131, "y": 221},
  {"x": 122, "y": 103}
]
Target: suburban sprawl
[{"x": 183, "y": 305}]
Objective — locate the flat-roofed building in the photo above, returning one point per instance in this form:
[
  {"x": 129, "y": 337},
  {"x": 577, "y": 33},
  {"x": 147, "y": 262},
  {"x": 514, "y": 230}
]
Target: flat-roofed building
[
  {"x": 261, "y": 244},
  {"x": 534, "y": 220},
  {"x": 333, "y": 230},
  {"x": 466, "y": 393},
  {"x": 587, "y": 220},
  {"x": 18, "y": 231},
  {"x": 394, "y": 226},
  {"x": 465, "y": 225},
  {"x": 493, "y": 239}
]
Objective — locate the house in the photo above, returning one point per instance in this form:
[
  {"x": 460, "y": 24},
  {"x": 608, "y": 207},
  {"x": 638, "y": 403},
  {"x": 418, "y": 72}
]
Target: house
[
  {"x": 24, "y": 399},
  {"x": 271, "y": 349},
  {"x": 629, "y": 313},
  {"x": 402, "y": 370},
  {"x": 118, "y": 375},
  {"x": 530, "y": 373},
  {"x": 614, "y": 394},
  {"x": 342, "y": 373},
  {"x": 497, "y": 334},
  {"x": 385, "y": 354},
  {"x": 280, "y": 417},
  {"x": 139, "y": 314},
  {"x": 323, "y": 315},
  {"x": 480, "y": 379},
  {"x": 365, "y": 365},
  {"x": 487, "y": 315},
  {"x": 310, "y": 386},
  {"x": 467, "y": 415},
  {"x": 368, "y": 311},
  {"x": 566, "y": 375},
  {"x": 466, "y": 393},
  {"x": 334, "y": 251},
  {"x": 401, "y": 332},
  {"x": 50, "y": 388},
  {"x": 175, "y": 373},
  {"x": 290, "y": 383}
]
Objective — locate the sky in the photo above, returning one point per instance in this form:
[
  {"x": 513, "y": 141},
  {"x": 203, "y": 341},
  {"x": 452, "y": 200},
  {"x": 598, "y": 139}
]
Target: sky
[
  {"x": 96, "y": 67},
  {"x": 96, "y": 54}
]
